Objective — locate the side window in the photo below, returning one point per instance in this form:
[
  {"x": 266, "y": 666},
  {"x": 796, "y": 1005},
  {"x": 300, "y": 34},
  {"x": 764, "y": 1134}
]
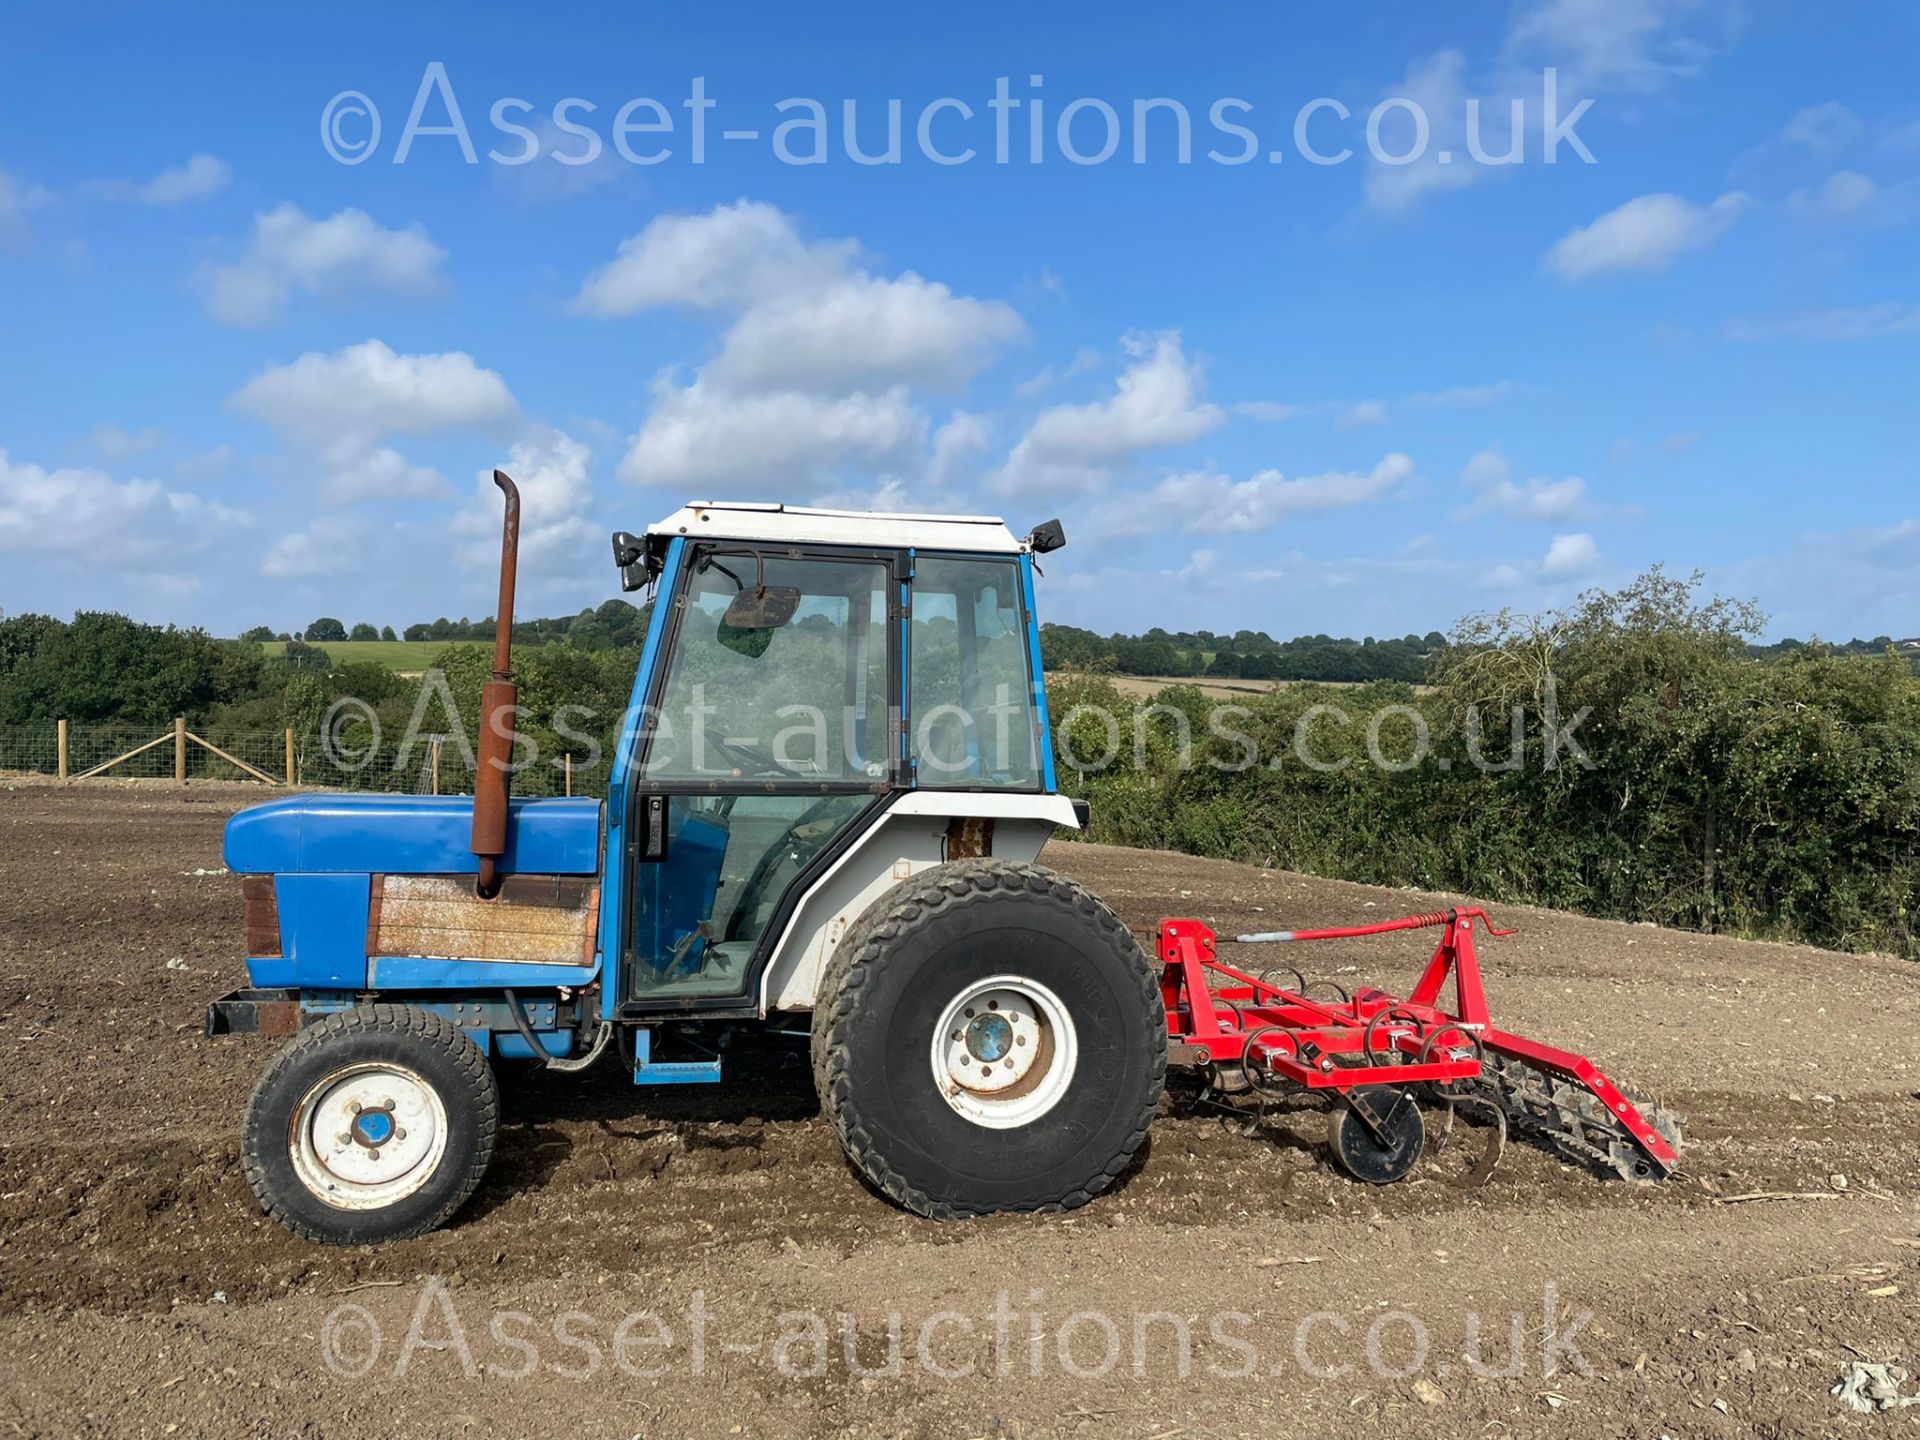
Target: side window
[
  {"x": 969, "y": 687},
  {"x": 793, "y": 687}
]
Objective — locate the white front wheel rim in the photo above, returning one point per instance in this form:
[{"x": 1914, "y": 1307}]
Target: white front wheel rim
[
  {"x": 368, "y": 1135},
  {"x": 1004, "y": 1052}
]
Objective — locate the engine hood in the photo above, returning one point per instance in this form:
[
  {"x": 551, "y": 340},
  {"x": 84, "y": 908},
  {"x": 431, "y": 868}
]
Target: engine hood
[{"x": 407, "y": 834}]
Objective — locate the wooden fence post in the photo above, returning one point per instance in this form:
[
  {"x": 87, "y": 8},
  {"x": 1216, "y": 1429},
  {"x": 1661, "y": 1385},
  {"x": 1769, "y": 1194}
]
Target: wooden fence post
[
  {"x": 569, "y": 774},
  {"x": 291, "y": 777},
  {"x": 180, "y": 749},
  {"x": 433, "y": 750},
  {"x": 60, "y": 727}
]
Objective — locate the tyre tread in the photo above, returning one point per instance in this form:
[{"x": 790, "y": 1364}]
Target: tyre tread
[
  {"x": 422, "y": 1025},
  {"x": 840, "y": 1000}
]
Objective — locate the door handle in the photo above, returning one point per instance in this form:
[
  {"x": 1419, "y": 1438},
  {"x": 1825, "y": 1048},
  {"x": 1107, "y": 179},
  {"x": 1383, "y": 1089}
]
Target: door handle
[{"x": 653, "y": 828}]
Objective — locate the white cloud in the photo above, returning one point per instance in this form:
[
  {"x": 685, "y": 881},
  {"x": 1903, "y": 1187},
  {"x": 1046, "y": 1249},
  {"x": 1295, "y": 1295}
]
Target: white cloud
[
  {"x": 1822, "y": 127},
  {"x": 862, "y": 332},
  {"x": 1609, "y": 44},
  {"x": 343, "y": 256},
  {"x": 1206, "y": 503},
  {"x": 697, "y": 436},
  {"x": 18, "y": 200},
  {"x": 1596, "y": 48},
  {"x": 1437, "y": 86},
  {"x": 1489, "y": 476},
  {"x": 554, "y": 474},
  {"x": 1377, "y": 412},
  {"x": 1646, "y": 234},
  {"x": 1156, "y": 402},
  {"x": 331, "y": 545},
  {"x": 201, "y": 176},
  {"x": 352, "y": 470},
  {"x": 954, "y": 444},
  {"x": 1463, "y": 397},
  {"x": 113, "y": 442},
  {"x": 88, "y": 512},
  {"x": 1268, "y": 410},
  {"x": 337, "y": 408},
  {"x": 369, "y": 390},
  {"x": 728, "y": 258},
  {"x": 1569, "y": 557},
  {"x": 1084, "y": 359},
  {"x": 1849, "y": 322},
  {"x": 1841, "y": 194},
  {"x": 815, "y": 371}
]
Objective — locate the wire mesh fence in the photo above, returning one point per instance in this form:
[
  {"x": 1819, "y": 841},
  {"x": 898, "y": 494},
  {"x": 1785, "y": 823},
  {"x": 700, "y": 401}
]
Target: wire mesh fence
[{"x": 431, "y": 765}]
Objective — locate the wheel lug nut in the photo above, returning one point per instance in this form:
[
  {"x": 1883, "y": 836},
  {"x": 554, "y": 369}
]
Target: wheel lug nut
[{"x": 353, "y": 1107}]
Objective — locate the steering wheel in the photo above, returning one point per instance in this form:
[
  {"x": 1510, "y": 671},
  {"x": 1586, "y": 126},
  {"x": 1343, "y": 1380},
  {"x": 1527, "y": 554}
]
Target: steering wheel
[{"x": 753, "y": 760}]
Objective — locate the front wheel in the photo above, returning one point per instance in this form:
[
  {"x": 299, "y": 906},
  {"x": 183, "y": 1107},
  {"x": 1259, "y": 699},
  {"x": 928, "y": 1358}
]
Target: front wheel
[
  {"x": 989, "y": 1036},
  {"x": 374, "y": 1124}
]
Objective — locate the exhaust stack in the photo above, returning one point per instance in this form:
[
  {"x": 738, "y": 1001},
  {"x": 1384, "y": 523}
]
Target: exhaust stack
[{"x": 497, "y": 703}]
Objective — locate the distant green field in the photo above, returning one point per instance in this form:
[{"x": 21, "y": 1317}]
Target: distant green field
[{"x": 406, "y": 656}]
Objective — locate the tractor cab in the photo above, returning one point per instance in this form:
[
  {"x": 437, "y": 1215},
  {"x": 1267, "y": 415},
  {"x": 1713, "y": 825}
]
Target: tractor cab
[{"x": 803, "y": 671}]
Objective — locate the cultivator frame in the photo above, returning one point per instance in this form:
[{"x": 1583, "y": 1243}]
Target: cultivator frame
[{"x": 1377, "y": 1055}]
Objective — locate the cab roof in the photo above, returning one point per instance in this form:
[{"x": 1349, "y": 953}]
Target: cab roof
[{"x": 803, "y": 524}]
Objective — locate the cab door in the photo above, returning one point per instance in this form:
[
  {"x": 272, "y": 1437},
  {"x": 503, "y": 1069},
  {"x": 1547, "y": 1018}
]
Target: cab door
[{"x": 772, "y": 735}]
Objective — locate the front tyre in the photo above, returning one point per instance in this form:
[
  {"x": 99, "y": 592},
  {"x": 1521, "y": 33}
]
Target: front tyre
[
  {"x": 989, "y": 1036},
  {"x": 374, "y": 1124}
]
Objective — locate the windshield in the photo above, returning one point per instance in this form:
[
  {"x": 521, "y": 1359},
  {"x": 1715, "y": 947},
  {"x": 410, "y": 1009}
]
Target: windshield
[{"x": 778, "y": 671}]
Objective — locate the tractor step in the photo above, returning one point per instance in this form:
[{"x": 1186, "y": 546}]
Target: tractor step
[{"x": 649, "y": 1071}]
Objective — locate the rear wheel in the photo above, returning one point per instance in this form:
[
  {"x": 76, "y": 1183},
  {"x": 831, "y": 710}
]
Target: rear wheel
[
  {"x": 989, "y": 1036},
  {"x": 374, "y": 1124}
]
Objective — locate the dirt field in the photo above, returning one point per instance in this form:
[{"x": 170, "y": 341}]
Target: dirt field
[
  {"x": 702, "y": 1262},
  {"x": 1145, "y": 687}
]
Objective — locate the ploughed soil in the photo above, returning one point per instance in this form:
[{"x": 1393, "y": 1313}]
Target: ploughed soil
[{"x": 701, "y": 1261}]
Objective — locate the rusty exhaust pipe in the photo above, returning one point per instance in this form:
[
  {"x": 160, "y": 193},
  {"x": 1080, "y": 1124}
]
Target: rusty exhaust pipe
[{"x": 497, "y": 702}]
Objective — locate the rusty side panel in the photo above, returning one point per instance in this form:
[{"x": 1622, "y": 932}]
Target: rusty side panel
[
  {"x": 262, "y": 912},
  {"x": 548, "y": 919},
  {"x": 969, "y": 838}
]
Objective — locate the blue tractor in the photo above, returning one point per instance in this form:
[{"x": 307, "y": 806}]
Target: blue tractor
[{"x": 828, "y": 795}]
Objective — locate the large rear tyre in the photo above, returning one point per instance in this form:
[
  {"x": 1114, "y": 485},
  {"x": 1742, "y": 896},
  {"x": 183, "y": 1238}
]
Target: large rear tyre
[
  {"x": 989, "y": 1036},
  {"x": 374, "y": 1124}
]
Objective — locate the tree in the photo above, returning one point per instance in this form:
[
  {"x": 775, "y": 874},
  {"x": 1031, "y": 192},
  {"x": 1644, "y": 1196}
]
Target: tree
[
  {"x": 363, "y": 631},
  {"x": 386, "y": 632},
  {"x": 326, "y": 628},
  {"x": 258, "y": 633},
  {"x": 105, "y": 667}
]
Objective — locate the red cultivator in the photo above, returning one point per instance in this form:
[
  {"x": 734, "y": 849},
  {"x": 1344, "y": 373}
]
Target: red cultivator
[{"x": 1253, "y": 1040}]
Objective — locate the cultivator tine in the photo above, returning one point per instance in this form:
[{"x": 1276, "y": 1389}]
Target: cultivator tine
[{"x": 1491, "y": 1150}]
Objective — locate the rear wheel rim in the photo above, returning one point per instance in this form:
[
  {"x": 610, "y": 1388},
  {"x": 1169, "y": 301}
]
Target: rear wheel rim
[
  {"x": 367, "y": 1136},
  {"x": 1005, "y": 1052}
]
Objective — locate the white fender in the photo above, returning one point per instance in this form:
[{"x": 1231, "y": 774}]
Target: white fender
[{"x": 911, "y": 836}]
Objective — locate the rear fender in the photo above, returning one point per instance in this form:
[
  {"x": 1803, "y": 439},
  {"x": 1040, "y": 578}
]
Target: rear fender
[{"x": 922, "y": 828}]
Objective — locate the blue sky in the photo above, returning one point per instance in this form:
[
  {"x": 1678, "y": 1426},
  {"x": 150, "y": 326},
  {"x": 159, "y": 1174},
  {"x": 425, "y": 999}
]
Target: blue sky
[{"x": 249, "y": 383}]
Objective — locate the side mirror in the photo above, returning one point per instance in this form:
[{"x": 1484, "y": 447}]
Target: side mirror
[{"x": 1048, "y": 536}]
